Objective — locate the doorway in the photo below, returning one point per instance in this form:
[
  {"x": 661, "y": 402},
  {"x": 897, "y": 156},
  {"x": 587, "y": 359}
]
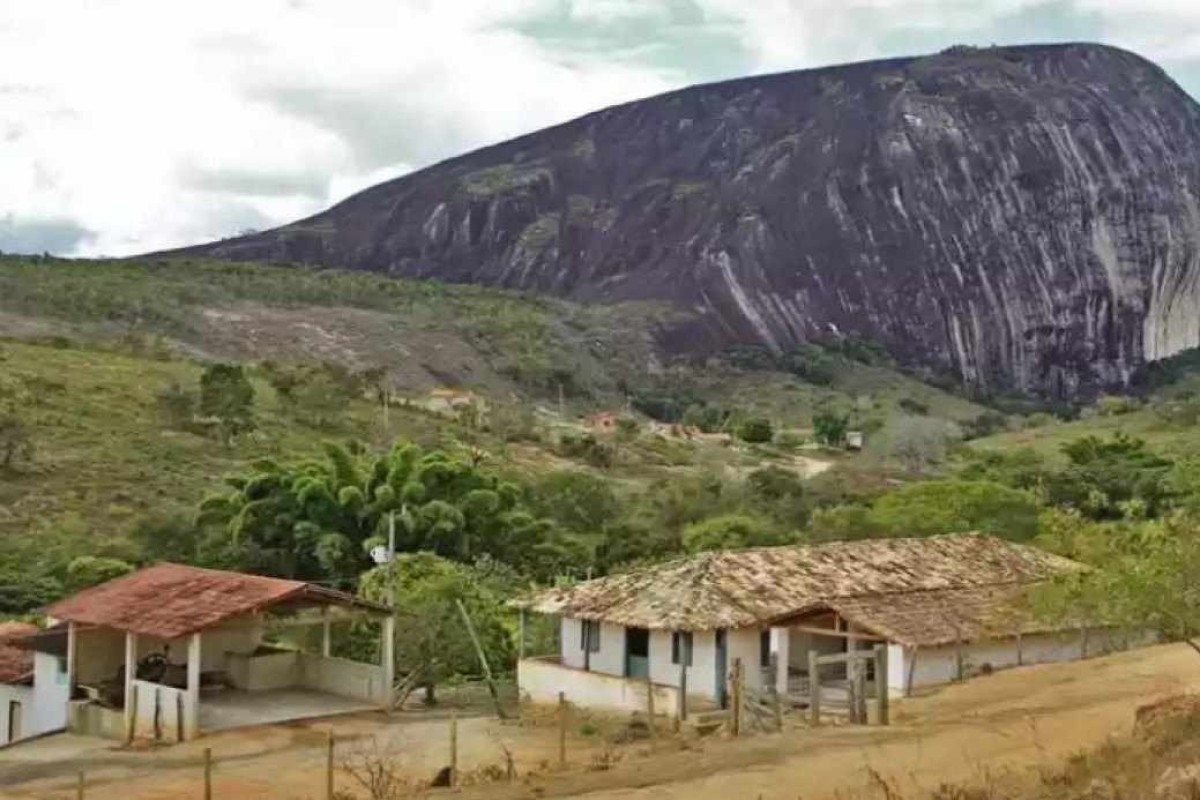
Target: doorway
[
  {"x": 722, "y": 667},
  {"x": 637, "y": 653},
  {"x": 14, "y": 720}
]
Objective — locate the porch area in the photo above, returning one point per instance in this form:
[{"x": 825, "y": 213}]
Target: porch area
[{"x": 234, "y": 650}]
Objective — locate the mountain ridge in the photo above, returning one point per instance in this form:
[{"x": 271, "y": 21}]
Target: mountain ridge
[{"x": 1021, "y": 217}]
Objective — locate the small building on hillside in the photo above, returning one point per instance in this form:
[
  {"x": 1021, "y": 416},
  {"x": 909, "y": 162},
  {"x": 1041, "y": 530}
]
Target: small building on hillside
[
  {"x": 171, "y": 651},
  {"x": 452, "y": 400},
  {"x": 945, "y": 607},
  {"x": 601, "y": 421}
]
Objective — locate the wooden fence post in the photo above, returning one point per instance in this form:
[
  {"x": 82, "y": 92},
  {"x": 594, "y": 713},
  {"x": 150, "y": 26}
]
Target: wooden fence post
[
  {"x": 208, "y": 773},
  {"x": 814, "y": 689},
  {"x": 682, "y": 692},
  {"x": 958, "y": 658},
  {"x": 737, "y": 697},
  {"x": 852, "y": 691},
  {"x": 650, "y": 709},
  {"x": 773, "y": 691},
  {"x": 912, "y": 668},
  {"x": 882, "y": 681},
  {"x": 1020, "y": 655},
  {"x": 562, "y": 730},
  {"x": 453, "y": 749},
  {"x": 79, "y": 786},
  {"x": 860, "y": 691},
  {"x": 329, "y": 765}
]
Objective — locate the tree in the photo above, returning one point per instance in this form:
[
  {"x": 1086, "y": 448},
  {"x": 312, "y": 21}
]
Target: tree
[
  {"x": 917, "y": 442},
  {"x": 227, "y": 396},
  {"x": 85, "y": 571},
  {"x": 318, "y": 519},
  {"x": 431, "y": 636},
  {"x": 954, "y": 506},
  {"x": 829, "y": 428},
  {"x": 1105, "y": 475},
  {"x": 16, "y": 443},
  {"x": 1141, "y": 576},
  {"x": 731, "y": 532},
  {"x": 756, "y": 430}
]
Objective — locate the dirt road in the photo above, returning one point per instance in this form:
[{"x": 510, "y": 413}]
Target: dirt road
[{"x": 1013, "y": 719}]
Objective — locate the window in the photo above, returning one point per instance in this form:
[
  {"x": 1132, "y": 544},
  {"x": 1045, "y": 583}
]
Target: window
[
  {"x": 589, "y": 636},
  {"x": 764, "y": 649},
  {"x": 681, "y": 648},
  {"x": 61, "y": 670}
]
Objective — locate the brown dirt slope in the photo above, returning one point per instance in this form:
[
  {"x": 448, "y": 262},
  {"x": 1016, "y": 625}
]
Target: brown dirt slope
[{"x": 1034, "y": 716}]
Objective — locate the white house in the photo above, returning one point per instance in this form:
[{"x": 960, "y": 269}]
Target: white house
[
  {"x": 945, "y": 606},
  {"x": 170, "y": 651}
]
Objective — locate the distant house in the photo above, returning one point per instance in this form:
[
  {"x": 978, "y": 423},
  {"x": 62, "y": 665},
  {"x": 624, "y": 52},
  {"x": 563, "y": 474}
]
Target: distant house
[
  {"x": 944, "y": 606},
  {"x": 601, "y": 421},
  {"x": 451, "y": 400},
  {"x": 170, "y": 651},
  {"x": 854, "y": 440}
]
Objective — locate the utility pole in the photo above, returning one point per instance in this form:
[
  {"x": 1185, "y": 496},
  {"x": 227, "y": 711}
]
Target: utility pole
[
  {"x": 391, "y": 584},
  {"x": 561, "y": 406}
]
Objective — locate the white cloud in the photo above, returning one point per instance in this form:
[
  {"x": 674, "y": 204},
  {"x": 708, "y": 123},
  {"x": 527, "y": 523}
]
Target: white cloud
[
  {"x": 157, "y": 124},
  {"x": 146, "y": 124}
]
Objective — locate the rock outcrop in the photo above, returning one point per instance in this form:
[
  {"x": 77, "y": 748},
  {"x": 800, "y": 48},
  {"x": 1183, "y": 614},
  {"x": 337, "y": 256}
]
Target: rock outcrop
[{"x": 1023, "y": 217}]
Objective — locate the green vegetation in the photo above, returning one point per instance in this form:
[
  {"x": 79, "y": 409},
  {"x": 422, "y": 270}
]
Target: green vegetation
[{"x": 117, "y": 450}]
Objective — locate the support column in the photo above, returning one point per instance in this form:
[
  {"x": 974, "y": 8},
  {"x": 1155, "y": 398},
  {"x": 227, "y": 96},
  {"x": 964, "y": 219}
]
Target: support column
[
  {"x": 191, "y": 709},
  {"x": 388, "y": 657},
  {"x": 130, "y": 676},
  {"x": 326, "y": 644},
  {"x": 72, "y": 649},
  {"x": 521, "y": 635},
  {"x": 783, "y": 656}
]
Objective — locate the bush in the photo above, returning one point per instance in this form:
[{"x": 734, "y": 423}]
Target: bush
[
  {"x": 918, "y": 442},
  {"x": 830, "y": 429},
  {"x": 730, "y": 532},
  {"x": 954, "y": 506},
  {"x": 1114, "y": 405},
  {"x": 756, "y": 430},
  {"x": 227, "y": 395}
]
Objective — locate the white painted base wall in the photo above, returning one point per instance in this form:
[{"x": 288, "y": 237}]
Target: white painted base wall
[
  {"x": 540, "y": 681},
  {"x": 9, "y": 694}
]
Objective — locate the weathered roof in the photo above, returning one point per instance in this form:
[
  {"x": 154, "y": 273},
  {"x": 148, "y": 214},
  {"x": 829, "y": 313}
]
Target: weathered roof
[
  {"x": 945, "y": 616},
  {"x": 739, "y": 588},
  {"x": 15, "y": 661},
  {"x": 171, "y": 600}
]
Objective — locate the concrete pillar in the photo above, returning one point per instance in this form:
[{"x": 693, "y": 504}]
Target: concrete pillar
[
  {"x": 130, "y": 676},
  {"x": 191, "y": 708},
  {"x": 72, "y": 649},
  {"x": 388, "y": 651},
  {"x": 326, "y": 644},
  {"x": 782, "y": 657}
]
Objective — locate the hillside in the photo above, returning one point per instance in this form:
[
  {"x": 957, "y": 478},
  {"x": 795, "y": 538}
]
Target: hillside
[{"x": 1014, "y": 217}]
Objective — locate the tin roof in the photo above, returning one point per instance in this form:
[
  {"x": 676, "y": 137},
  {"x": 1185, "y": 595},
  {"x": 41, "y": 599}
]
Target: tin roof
[
  {"x": 15, "y": 661},
  {"x": 171, "y": 600},
  {"x": 740, "y": 588}
]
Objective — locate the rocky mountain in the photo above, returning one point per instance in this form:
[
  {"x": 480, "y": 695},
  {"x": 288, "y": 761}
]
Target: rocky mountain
[{"x": 1022, "y": 217}]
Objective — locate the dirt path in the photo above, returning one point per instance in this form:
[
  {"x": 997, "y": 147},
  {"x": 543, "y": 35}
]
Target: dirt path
[{"x": 1013, "y": 719}]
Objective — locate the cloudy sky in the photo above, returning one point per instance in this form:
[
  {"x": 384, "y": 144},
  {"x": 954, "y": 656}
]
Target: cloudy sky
[{"x": 133, "y": 125}]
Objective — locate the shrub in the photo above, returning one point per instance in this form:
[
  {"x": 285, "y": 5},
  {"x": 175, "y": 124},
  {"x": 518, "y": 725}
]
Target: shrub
[{"x": 756, "y": 430}]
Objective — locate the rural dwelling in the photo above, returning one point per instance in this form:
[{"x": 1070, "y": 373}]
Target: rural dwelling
[
  {"x": 22, "y": 713},
  {"x": 944, "y": 607},
  {"x": 170, "y": 651}
]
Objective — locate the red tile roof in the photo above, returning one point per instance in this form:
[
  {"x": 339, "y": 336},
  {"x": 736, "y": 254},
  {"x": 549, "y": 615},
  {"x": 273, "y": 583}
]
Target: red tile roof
[
  {"x": 15, "y": 662},
  {"x": 172, "y": 600}
]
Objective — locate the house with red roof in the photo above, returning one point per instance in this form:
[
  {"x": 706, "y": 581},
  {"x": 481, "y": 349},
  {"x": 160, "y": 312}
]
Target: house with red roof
[{"x": 171, "y": 651}]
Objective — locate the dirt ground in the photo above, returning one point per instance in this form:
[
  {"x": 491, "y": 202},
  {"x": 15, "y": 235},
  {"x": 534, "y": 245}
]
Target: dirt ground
[{"x": 1008, "y": 721}]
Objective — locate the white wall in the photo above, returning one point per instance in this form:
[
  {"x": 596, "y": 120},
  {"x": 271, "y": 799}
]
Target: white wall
[
  {"x": 51, "y": 692},
  {"x": 263, "y": 672},
  {"x": 10, "y": 693},
  {"x": 343, "y": 677},
  {"x": 161, "y": 712},
  {"x": 701, "y": 676},
  {"x": 610, "y": 659},
  {"x": 541, "y": 680}
]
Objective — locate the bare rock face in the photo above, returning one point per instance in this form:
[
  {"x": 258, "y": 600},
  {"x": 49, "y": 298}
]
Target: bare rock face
[{"x": 1024, "y": 217}]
